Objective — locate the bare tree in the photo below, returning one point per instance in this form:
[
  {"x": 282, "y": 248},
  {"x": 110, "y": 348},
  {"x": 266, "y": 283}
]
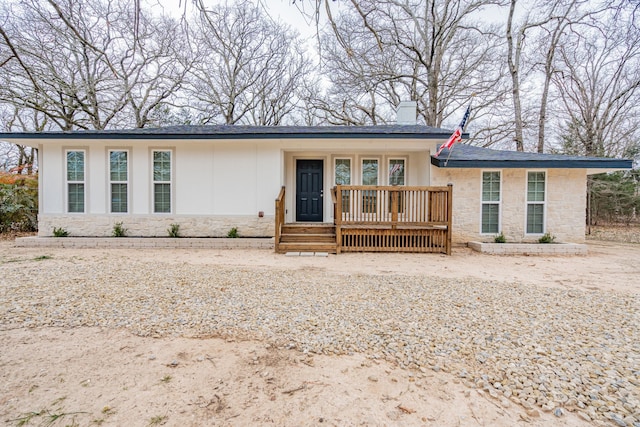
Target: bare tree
[
  {"x": 598, "y": 81},
  {"x": 80, "y": 63},
  {"x": 359, "y": 79},
  {"x": 154, "y": 68},
  {"x": 64, "y": 58},
  {"x": 532, "y": 43},
  {"x": 514, "y": 52},
  {"x": 249, "y": 66},
  {"x": 437, "y": 53}
]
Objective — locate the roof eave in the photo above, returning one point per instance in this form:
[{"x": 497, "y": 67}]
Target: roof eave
[
  {"x": 603, "y": 165},
  {"x": 12, "y": 137}
]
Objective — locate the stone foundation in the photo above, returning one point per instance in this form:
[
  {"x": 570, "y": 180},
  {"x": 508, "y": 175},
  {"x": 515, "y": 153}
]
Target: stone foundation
[
  {"x": 529, "y": 248},
  {"x": 87, "y": 225},
  {"x": 138, "y": 242}
]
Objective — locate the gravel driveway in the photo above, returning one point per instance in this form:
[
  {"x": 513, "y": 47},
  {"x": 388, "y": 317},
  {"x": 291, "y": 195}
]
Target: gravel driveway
[{"x": 550, "y": 348}]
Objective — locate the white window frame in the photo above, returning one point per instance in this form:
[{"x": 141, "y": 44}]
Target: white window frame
[
  {"x": 345, "y": 200},
  {"x": 388, "y": 162},
  {"x": 372, "y": 210},
  {"x": 109, "y": 189},
  {"x": 543, "y": 203},
  {"x": 483, "y": 202},
  {"x": 170, "y": 182},
  {"x": 83, "y": 182},
  {"x": 351, "y": 162},
  {"x": 362, "y": 160}
]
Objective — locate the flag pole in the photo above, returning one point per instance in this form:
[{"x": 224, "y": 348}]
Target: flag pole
[
  {"x": 457, "y": 133},
  {"x": 446, "y": 162}
]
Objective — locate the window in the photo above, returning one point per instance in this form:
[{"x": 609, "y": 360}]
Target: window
[
  {"x": 370, "y": 172},
  {"x": 162, "y": 181},
  {"x": 369, "y": 177},
  {"x": 343, "y": 177},
  {"x": 396, "y": 177},
  {"x": 343, "y": 171},
  {"x": 535, "y": 202},
  {"x": 490, "y": 203},
  {"x": 75, "y": 181},
  {"x": 118, "y": 180},
  {"x": 396, "y": 171}
]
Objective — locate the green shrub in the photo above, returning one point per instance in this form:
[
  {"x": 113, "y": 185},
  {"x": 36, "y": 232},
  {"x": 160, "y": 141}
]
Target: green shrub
[
  {"x": 60, "y": 232},
  {"x": 119, "y": 230},
  {"x": 18, "y": 202},
  {"x": 174, "y": 230},
  {"x": 500, "y": 238},
  {"x": 233, "y": 233},
  {"x": 547, "y": 238}
]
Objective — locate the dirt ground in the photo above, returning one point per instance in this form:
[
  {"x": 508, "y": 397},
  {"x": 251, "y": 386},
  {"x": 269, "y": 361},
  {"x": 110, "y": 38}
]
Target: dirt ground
[{"x": 91, "y": 376}]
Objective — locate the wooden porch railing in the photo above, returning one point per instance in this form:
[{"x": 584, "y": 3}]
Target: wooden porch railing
[
  {"x": 392, "y": 218},
  {"x": 280, "y": 211}
]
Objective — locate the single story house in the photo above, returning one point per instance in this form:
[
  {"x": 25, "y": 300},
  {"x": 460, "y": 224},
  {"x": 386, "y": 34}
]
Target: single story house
[{"x": 372, "y": 187}]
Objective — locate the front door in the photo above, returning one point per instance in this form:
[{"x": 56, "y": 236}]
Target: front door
[{"x": 309, "y": 205}]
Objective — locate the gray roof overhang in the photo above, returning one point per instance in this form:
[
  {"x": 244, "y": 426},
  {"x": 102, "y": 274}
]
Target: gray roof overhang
[
  {"x": 246, "y": 132},
  {"x": 467, "y": 156}
]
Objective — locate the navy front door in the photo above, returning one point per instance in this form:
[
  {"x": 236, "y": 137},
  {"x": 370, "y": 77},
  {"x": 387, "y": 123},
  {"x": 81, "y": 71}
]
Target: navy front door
[{"x": 309, "y": 190}]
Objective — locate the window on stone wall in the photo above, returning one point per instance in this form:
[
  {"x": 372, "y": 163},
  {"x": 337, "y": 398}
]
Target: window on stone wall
[
  {"x": 490, "y": 202},
  {"x": 536, "y": 185},
  {"x": 162, "y": 181},
  {"x": 119, "y": 180},
  {"x": 76, "y": 181}
]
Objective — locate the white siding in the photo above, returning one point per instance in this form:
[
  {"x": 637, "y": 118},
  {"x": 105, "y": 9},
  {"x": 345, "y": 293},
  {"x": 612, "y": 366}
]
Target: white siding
[
  {"x": 52, "y": 179},
  {"x": 97, "y": 179},
  {"x": 216, "y": 186}
]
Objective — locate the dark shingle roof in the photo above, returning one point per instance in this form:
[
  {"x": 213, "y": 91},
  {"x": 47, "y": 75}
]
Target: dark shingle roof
[
  {"x": 247, "y": 132},
  {"x": 462, "y": 155},
  {"x": 467, "y": 156}
]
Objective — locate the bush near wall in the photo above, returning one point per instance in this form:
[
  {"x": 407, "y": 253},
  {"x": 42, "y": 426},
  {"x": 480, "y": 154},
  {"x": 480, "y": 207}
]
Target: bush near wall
[{"x": 18, "y": 202}]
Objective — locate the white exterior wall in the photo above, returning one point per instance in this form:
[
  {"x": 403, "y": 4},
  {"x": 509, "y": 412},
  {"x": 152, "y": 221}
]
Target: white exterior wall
[
  {"x": 564, "y": 210},
  {"x": 416, "y": 162},
  {"x": 218, "y": 185},
  {"x": 215, "y": 187}
]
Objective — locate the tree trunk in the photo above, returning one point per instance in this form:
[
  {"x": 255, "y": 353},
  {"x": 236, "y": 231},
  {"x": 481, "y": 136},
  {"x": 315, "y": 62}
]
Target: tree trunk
[{"x": 513, "y": 62}]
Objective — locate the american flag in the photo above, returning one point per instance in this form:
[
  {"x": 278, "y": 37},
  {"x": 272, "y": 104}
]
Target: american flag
[
  {"x": 396, "y": 168},
  {"x": 456, "y": 136}
]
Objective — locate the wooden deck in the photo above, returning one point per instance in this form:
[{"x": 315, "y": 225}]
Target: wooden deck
[{"x": 374, "y": 219}]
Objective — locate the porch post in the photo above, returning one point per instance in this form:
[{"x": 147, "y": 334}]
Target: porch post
[
  {"x": 337, "y": 216},
  {"x": 279, "y": 220},
  {"x": 449, "y": 216},
  {"x": 394, "y": 209}
]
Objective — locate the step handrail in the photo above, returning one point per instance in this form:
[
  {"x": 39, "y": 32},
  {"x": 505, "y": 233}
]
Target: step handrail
[{"x": 279, "y": 217}]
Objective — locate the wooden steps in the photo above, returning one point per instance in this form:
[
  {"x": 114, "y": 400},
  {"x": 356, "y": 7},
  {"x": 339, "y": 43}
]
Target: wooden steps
[
  {"x": 307, "y": 247},
  {"x": 307, "y": 237}
]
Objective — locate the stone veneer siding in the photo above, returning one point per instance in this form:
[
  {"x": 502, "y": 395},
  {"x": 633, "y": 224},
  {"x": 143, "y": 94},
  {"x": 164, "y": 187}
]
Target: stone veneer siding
[
  {"x": 89, "y": 225},
  {"x": 564, "y": 213}
]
